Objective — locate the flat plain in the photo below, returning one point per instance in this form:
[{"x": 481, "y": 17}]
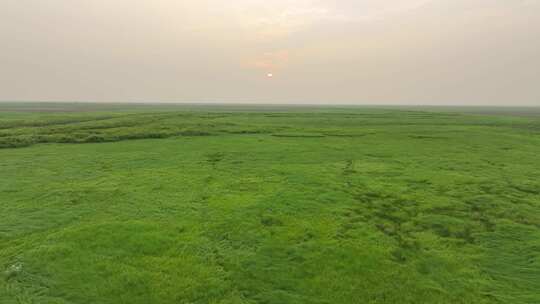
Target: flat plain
[{"x": 242, "y": 204}]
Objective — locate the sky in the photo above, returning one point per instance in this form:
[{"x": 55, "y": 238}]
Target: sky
[{"x": 432, "y": 52}]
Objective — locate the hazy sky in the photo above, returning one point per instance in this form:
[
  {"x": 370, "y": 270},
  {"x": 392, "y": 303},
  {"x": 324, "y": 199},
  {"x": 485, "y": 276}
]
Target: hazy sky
[{"x": 318, "y": 51}]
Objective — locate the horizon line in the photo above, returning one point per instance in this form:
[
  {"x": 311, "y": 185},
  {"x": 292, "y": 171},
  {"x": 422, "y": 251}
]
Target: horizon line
[{"x": 214, "y": 103}]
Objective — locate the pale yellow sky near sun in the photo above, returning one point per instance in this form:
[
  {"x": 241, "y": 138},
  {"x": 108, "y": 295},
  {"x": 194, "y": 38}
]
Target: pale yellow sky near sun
[{"x": 477, "y": 52}]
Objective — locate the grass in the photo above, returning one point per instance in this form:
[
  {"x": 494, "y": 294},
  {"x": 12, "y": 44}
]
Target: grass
[{"x": 187, "y": 204}]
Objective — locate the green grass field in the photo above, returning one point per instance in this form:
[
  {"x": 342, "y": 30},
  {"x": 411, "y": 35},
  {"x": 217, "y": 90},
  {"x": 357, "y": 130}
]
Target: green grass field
[{"x": 214, "y": 204}]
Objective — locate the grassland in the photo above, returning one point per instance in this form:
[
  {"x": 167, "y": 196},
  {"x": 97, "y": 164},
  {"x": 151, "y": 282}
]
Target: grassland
[{"x": 208, "y": 204}]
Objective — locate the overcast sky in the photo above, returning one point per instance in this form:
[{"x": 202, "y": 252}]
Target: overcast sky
[{"x": 477, "y": 52}]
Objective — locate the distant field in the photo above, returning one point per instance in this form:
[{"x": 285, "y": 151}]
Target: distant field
[
  {"x": 273, "y": 204},
  {"x": 512, "y": 111}
]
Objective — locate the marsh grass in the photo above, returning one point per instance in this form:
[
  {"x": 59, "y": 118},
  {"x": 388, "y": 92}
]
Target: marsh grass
[{"x": 237, "y": 205}]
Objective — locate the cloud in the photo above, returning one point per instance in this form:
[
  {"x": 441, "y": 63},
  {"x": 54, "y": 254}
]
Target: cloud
[
  {"x": 372, "y": 10},
  {"x": 269, "y": 61},
  {"x": 257, "y": 20}
]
